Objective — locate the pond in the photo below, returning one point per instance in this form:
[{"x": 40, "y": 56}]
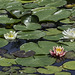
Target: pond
[{"x": 37, "y": 37}]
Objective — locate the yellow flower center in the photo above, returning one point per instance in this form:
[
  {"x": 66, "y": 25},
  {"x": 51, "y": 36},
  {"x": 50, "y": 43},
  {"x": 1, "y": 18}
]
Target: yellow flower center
[
  {"x": 10, "y": 35},
  {"x": 58, "y": 50}
]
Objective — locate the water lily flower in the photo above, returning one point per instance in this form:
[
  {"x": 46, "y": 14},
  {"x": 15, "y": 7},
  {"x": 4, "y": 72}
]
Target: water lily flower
[
  {"x": 58, "y": 51},
  {"x": 69, "y": 34},
  {"x": 11, "y": 35}
]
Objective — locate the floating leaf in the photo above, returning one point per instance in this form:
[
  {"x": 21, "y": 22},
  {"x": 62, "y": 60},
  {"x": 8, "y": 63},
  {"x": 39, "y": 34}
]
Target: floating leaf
[
  {"x": 56, "y": 3},
  {"x": 49, "y": 69},
  {"x": 64, "y": 27},
  {"x": 7, "y": 62},
  {"x": 42, "y": 47},
  {"x": 36, "y": 61},
  {"x": 30, "y": 5},
  {"x": 3, "y": 31},
  {"x": 3, "y": 42},
  {"x": 14, "y": 5},
  {"x": 59, "y": 15},
  {"x": 52, "y": 31},
  {"x": 30, "y": 34},
  {"x": 28, "y": 70},
  {"x": 44, "y": 13},
  {"x": 67, "y": 21},
  {"x": 62, "y": 73},
  {"x": 28, "y": 26},
  {"x": 6, "y": 20},
  {"x": 69, "y": 65},
  {"x": 54, "y": 37},
  {"x": 68, "y": 45}
]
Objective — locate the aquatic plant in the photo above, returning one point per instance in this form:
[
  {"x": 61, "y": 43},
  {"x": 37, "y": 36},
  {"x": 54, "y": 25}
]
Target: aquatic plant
[
  {"x": 58, "y": 51},
  {"x": 69, "y": 34},
  {"x": 11, "y": 35}
]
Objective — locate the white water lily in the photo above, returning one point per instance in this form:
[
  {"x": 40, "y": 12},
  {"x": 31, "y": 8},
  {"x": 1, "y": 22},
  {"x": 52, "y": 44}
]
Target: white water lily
[
  {"x": 11, "y": 35},
  {"x": 69, "y": 34}
]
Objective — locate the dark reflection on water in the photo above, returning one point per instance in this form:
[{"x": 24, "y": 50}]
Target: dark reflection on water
[{"x": 15, "y": 46}]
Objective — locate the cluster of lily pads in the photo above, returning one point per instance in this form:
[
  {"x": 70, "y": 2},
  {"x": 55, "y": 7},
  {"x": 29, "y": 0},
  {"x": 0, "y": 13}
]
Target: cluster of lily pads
[{"x": 50, "y": 24}]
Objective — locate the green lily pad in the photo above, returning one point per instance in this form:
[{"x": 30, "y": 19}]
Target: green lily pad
[
  {"x": 68, "y": 46},
  {"x": 42, "y": 47},
  {"x": 69, "y": 65},
  {"x": 14, "y": 5},
  {"x": 28, "y": 70},
  {"x": 7, "y": 62},
  {"x": 64, "y": 27},
  {"x": 30, "y": 5},
  {"x": 54, "y": 37},
  {"x": 44, "y": 12},
  {"x": 6, "y": 20},
  {"x": 3, "y": 42},
  {"x": 67, "y": 21},
  {"x": 28, "y": 26},
  {"x": 49, "y": 70},
  {"x": 36, "y": 61},
  {"x": 4, "y": 31},
  {"x": 59, "y": 15},
  {"x": 50, "y": 2},
  {"x": 62, "y": 73},
  {"x": 25, "y": 1},
  {"x": 57, "y": 3},
  {"x": 20, "y": 12},
  {"x": 52, "y": 31},
  {"x": 30, "y": 34}
]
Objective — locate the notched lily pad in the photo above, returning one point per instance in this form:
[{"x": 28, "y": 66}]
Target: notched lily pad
[
  {"x": 49, "y": 69},
  {"x": 69, "y": 65},
  {"x": 37, "y": 61}
]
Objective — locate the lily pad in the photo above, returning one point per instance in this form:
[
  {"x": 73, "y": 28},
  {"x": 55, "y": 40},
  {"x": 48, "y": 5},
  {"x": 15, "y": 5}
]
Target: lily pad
[
  {"x": 28, "y": 26},
  {"x": 37, "y": 61},
  {"x": 49, "y": 70},
  {"x": 42, "y": 47},
  {"x": 54, "y": 37},
  {"x": 52, "y": 31},
  {"x": 64, "y": 27},
  {"x": 69, "y": 65},
  {"x": 68, "y": 45},
  {"x": 28, "y": 70},
  {"x": 30, "y": 5},
  {"x": 67, "y": 21},
  {"x": 4, "y": 31},
  {"x": 6, "y": 20},
  {"x": 59, "y": 15},
  {"x": 3, "y": 42},
  {"x": 62, "y": 73},
  {"x": 44, "y": 12},
  {"x": 57, "y": 3},
  {"x": 7, "y": 62},
  {"x": 30, "y": 34}
]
